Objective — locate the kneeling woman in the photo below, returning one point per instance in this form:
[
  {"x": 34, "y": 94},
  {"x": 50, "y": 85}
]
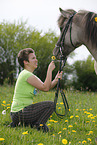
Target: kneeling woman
[{"x": 23, "y": 110}]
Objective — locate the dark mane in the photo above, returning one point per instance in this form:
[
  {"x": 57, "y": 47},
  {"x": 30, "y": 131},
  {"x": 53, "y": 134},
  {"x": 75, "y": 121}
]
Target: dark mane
[{"x": 91, "y": 27}]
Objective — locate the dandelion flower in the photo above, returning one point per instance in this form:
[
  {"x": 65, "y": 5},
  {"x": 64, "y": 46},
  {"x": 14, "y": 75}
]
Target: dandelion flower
[
  {"x": 1, "y": 139},
  {"x": 84, "y": 141},
  {"x": 40, "y": 144},
  {"x": 90, "y": 132},
  {"x": 71, "y": 116},
  {"x": 64, "y": 141},
  {"x": 88, "y": 139},
  {"x": 95, "y": 19},
  {"x": 4, "y": 102},
  {"x": 64, "y": 128},
  {"x": 25, "y": 133},
  {"x": 76, "y": 116},
  {"x": 41, "y": 124},
  {"x": 61, "y": 103},
  {"x": 70, "y": 126},
  {"x": 73, "y": 131},
  {"x": 51, "y": 120},
  {"x": 48, "y": 124},
  {"x": 59, "y": 107},
  {"x": 66, "y": 120},
  {"x": 59, "y": 132},
  {"x": 55, "y": 121}
]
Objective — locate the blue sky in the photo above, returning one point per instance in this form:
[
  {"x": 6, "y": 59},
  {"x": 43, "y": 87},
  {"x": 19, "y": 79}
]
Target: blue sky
[{"x": 43, "y": 14}]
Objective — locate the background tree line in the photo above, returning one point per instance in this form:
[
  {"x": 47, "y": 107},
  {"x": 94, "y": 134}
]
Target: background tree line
[{"x": 14, "y": 37}]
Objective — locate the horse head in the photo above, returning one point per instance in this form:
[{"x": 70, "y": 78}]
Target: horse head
[{"x": 79, "y": 32}]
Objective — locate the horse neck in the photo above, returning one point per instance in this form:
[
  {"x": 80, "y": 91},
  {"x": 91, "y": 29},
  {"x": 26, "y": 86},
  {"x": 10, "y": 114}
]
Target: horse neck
[{"x": 92, "y": 49}]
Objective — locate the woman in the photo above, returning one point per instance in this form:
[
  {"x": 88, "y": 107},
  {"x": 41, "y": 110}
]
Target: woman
[{"x": 23, "y": 110}]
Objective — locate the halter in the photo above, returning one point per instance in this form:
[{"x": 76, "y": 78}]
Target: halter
[{"x": 60, "y": 44}]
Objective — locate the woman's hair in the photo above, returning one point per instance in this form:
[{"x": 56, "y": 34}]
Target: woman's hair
[{"x": 24, "y": 55}]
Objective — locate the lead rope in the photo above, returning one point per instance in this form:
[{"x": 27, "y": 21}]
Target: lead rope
[{"x": 66, "y": 106}]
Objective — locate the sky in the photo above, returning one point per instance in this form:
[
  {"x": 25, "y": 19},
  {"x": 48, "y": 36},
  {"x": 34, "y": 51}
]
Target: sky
[{"x": 43, "y": 15}]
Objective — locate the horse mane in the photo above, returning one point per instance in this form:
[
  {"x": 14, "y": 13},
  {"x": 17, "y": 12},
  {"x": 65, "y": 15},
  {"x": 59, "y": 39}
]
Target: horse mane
[
  {"x": 88, "y": 21},
  {"x": 91, "y": 28}
]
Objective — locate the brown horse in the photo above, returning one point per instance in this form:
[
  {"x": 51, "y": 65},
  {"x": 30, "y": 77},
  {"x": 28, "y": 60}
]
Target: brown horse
[{"x": 83, "y": 31}]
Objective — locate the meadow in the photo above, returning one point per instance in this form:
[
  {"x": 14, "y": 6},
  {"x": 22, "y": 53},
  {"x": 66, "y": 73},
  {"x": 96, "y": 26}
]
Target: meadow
[{"x": 78, "y": 127}]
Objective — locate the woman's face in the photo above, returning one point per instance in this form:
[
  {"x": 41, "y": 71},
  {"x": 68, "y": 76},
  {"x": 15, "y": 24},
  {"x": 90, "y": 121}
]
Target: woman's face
[{"x": 32, "y": 61}]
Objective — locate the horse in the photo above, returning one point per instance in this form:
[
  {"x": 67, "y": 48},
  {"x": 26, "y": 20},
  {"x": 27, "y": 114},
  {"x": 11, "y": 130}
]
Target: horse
[{"x": 82, "y": 29}]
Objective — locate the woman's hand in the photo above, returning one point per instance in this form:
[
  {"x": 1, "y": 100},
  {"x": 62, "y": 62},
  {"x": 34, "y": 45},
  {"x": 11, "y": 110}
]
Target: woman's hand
[
  {"x": 58, "y": 76},
  {"x": 51, "y": 66}
]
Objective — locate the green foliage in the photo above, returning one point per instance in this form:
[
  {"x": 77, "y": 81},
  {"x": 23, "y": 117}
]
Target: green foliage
[
  {"x": 14, "y": 37},
  {"x": 85, "y": 78},
  {"x": 78, "y": 126}
]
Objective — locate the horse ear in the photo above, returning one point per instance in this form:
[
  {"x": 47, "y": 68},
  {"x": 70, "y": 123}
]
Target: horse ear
[{"x": 65, "y": 14}]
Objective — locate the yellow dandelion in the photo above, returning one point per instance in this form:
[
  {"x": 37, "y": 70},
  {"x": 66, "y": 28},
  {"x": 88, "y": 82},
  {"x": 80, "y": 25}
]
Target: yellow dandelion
[
  {"x": 59, "y": 132},
  {"x": 25, "y": 133},
  {"x": 41, "y": 124},
  {"x": 88, "y": 139},
  {"x": 90, "y": 109},
  {"x": 70, "y": 126},
  {"x": 3, "y": 105},
  {"x": 64, "y": 141},
  {"x": 8, "y": 107},
  {"x": 55, "y": 121},
  {"x": 76, "y": 116},
  {"x": 61, "y": 103},
  {"x": 40, "y": 144},
  {"x": 8, "y": 104},
  {"x": 59, "y": 107},
  {"x": 84, "y": 141},
  {"x": 92, "y": 117},
  {"x": 90, "y": 132},
  {"x": 51, "y": 120},
  {"x": 85, "y": 112},
  {"x": 53, "y": 135},
  {"x": 71, "y": 116},
  {"x": 1, "y": 139},
  {"x": 73, "y": 131},
  {"x": 79, "y": 141},
  {"x": 93, "y": 121},
  {"x": 69, "y": 109},
  {"x": 48, "y": 124},
  {"x": 66, "y": 120},
  {"x": 95, "y": 19},
  {"x": 64, "y": 128},
  {"x": 4, "y": 102},
  {"x": 77, "y": 109},
  {"x": 53, "y": 57},
  {"x": 87, "y": 121}
]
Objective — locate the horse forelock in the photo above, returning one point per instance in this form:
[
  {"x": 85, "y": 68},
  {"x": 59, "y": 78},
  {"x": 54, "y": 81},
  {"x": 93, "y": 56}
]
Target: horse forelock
[{"x": 91, "y": 28}]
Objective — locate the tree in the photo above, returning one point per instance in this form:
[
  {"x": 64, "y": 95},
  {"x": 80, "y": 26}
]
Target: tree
[
  {"x": 14, "y": 37},
  {"x": 85, "y": 77}
]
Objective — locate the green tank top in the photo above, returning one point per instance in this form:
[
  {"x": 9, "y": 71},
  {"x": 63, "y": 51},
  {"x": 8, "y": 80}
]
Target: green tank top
[{"x": 23, "y": 93}]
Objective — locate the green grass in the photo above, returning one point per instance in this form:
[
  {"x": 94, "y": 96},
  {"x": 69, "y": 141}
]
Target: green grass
[{"x": 78, "y": 127}]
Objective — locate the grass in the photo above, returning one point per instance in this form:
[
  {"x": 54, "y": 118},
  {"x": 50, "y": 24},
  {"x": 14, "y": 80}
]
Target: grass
[{"x": 78, "y": 127}]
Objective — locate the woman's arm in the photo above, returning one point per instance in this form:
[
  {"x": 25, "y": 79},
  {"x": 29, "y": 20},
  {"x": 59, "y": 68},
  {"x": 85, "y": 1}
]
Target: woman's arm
[
  {"x": 55, "y": 81},
  {"x": 37, "y": 83}
]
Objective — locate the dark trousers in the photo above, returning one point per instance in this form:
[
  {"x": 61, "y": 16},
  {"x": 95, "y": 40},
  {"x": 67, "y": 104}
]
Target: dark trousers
[{"x": 34, "y": 114}]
